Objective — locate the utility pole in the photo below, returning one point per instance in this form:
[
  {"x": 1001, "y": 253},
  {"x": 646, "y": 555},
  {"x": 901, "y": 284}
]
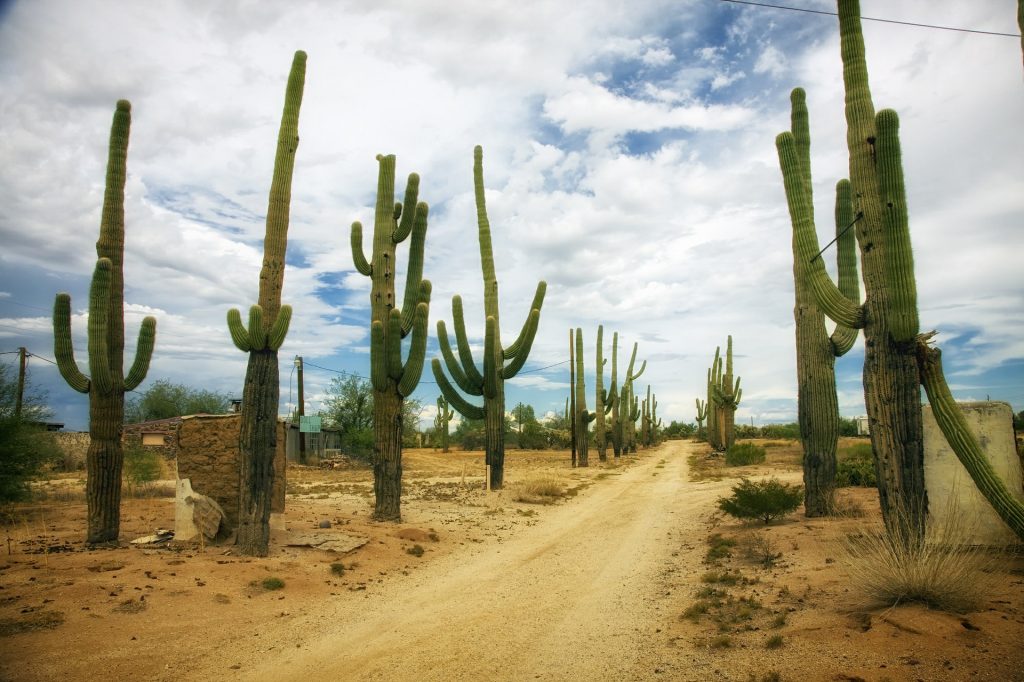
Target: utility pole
[
  {"x": 21, "y": 381},
  {"x": 302, "y": 412}
]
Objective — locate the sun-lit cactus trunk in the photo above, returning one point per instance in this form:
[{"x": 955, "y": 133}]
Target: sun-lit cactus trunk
[
  {"x": 107, "y": 383},
  {"x": 572, "y": 397},
  {"x": 629, "y": 406},
  {"x": 261, "y": 339},
  {"x": 602, "y": 400},
  {"x": 441, "y": 422},
  {"x": 614, "y": 427},
  {"x": 583, "y": 418},
  {"x": 499, "y": 363},
  {"x": 392, "y": 379},
  {"x": 702, "y": 414}
]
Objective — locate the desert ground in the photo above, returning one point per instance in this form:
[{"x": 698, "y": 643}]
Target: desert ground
[{"x": 631, "y": 573}]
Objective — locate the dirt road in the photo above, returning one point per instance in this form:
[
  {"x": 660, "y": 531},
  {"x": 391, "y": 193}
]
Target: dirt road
[{"x": 574, "y": 596}]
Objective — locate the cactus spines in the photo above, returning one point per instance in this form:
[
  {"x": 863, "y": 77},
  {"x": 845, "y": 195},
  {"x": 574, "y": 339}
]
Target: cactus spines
[
  {"x": 392, "y": 379},
  {"x": 107, "y": 383},
  {"x": 817, "y": 403},
  {"x": 268, "y": 326},
  {"x": 724, "y": 396},
  {"x": 630, "y": 410},
  {"x": 500, "y": 363},
  {"x": 441, "y": 421}
]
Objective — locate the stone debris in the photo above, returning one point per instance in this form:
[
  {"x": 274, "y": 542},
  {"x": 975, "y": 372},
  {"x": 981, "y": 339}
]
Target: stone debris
[{"x": 329, "y": 542}]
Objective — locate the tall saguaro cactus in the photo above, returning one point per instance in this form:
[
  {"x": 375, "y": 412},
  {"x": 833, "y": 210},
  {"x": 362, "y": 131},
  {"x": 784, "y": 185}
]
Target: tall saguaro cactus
[
  {"x": 392, "y": 379},
  {"x": 702, "y": 414},
  {"x": 724, "y": 397},
  {"x": 441, "y": 421},
  {"x": 268, "y": 325},
  {"x": 897, "y": 359},
  {"x": 571, "y": 400},
  {"x": 628, "y": 405},
  {"x": 816, "y": 351},
  {"x": 583, "y": 418},
  {"x": 603, "y": 400},
  {"x": 106, "y": 382},
  {"x": 499, "y": 363}
]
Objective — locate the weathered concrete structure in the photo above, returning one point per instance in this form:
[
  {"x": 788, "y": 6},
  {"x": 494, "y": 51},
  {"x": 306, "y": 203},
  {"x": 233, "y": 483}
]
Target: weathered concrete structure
[{"x": 950, "y": 488}]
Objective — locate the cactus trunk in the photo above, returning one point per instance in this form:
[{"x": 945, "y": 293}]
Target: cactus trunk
[
  {"x": 257, "y": 445},
  {"x": 583, "y": 418},
  {"x": 616, "y": 434},
  {"x": 572, "y": 397},
  {"x": 600, "y": 399}
]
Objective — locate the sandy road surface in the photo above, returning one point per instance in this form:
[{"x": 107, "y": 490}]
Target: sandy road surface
[{"x": 573, "y": 597}]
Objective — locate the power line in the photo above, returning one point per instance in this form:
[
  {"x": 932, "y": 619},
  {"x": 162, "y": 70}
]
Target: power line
[{"x": 884, "y": 21}]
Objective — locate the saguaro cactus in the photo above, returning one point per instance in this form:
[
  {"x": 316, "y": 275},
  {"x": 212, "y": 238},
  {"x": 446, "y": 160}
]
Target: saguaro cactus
[
  {"x": 571, "y": 400},
  {"x": 268, "y": 325},
  {"x": 626, "y": 409},
  {"x": 441, "y": 421},
  {"x": 724, "y": 397},
  {"x": 499, "y": 363},
  {"x": 702, "y": 414},
  {"x": 583, "y": 418},
  {"x": 106, "y": 382},
  {"x": 895, "y": 355},
  {"x": 393, "y": 380},
  {"x": 817, "y": 404},
  {"x": 603, "y": 400}
]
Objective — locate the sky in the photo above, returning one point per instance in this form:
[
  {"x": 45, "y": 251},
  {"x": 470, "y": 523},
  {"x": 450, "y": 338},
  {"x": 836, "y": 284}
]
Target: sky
[{"x": 629, "y": 160}]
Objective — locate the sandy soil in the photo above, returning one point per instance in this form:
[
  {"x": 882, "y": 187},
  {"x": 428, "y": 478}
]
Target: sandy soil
[{"x": 472, "y": 585}]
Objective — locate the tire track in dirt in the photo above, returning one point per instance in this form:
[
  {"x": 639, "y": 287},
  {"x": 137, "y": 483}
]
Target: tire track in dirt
[{"x": 575, "y": 596}]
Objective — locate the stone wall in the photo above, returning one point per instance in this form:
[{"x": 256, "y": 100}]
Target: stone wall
[
  {"x": 208, "y": 455},
  {"x": 163, "y": 431},
  {"x": 951, "y": 492}
]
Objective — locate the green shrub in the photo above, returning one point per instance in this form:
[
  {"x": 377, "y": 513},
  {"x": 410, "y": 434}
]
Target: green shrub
[
  {"x": 141, "y": 466},
  {"x": 765, "y": 500},
  {"x": 856, "y": 467},
  {"x": 271, "y": 584},
  {"x": 25, "y": 451},
  {"x": 741, "y": 454}
]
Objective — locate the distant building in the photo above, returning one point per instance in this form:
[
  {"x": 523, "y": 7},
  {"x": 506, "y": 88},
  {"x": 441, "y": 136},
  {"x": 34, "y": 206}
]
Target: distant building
[{"x": 862, "y": 426}]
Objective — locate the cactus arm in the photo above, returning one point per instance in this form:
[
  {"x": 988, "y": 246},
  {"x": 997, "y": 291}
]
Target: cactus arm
[
  {"x": 466, "y": 409},
  {"x": 413, "y": 368},
  {"x": 362, "y": 265},
  {"x": 239, "y": 334},
  {"x": 279, "y": 330},
  {"x": 903, "y": 319},
  {"x": 63, "y": 348},
  {"x": 378, "y": 358},
  {"x": 519, "y": 359},
  {"x": 491, "y": 370},
  {"x": 828, "y": 296},
  {"x": 414, "y": 290},
  {"x": 462, "y": 340},
  {"x": 484, "y": 233},
  {"x": 538, "y": 301},
  {"x": 843, "y": 337},
  {"x": 257, "y": 335},
  {"x": 453, "y": 364},
  {"x": 954, "y": 427},
  {"x": 143, "y": 354},
  {"x": 408, "y": 218},
  {"x": 99, "y": 296}
]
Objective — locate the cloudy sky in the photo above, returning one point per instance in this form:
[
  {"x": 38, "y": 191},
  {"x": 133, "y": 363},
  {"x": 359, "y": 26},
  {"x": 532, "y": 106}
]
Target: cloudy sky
[{"x": 628, "y": 153}]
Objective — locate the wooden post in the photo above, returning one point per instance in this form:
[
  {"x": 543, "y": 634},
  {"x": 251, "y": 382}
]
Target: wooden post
[
  {"x": 21, "y": 381},
  {"x": 302, "y": 411}
]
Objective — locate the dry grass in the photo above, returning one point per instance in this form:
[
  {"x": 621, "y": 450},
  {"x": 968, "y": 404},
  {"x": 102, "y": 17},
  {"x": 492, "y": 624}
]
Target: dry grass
[
  {"x": 540, "y": 491},
  {"x": 944, "y": 572}
]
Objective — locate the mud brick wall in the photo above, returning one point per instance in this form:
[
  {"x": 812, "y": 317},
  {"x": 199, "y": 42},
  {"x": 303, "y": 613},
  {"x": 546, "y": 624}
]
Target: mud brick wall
[
  {"x": 208, "y": 456},
  {"x": 167, "y": 429}
]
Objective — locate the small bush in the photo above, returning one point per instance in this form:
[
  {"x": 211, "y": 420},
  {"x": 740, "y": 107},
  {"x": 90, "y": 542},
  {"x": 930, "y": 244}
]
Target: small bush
[
  {"x": 765, "y": 500},
  {"x": 338, "y": 568},
  {"x": 141, "y": 467},
  {"x": 719, "y": 547},
  {"x": 540, "y": 491},
  {"x": 271, "y": 584},
  {"x": 856, "y": 467},
  {"x": 759, "y": 548},
  {"x": 415, "y": 550},
  {"x": 774, "y": 642},
  {"x": 741, "y": 454}
]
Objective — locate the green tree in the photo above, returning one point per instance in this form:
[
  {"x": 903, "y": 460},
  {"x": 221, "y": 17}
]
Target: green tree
[
  {"x": 411, "y": 408},
  {"x": 164, "y": 399},
  {"x": 349, "y": 408},
  {"x": 25, "y": 446}
]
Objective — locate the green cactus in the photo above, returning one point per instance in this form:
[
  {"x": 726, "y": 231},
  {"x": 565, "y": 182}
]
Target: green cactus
[
  {"x": 649, "y": 420},
  {"x": 393, "y": 380},
  {"x": 625, "y": 409},
  {"x": 603, "y": 400},
  {"x": 896, "y": 357},
  {"x": 702, "y": 414},
  {"x": 583, "y": 418},
  {"x": 724, "y": 397},
  {"x": 817, "y": 403},
  {"x": 268, "y": 325},
  {"x": 106, "y": 382},
  {"x": 500, "y": 363},
  {"x": 614, "y": 397},
  {"x": 441, "y": 421},
  {"x": 571, "y": 400}
]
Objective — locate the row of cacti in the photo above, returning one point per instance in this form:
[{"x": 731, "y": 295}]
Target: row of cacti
[{"x": 898, "y": 358}]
